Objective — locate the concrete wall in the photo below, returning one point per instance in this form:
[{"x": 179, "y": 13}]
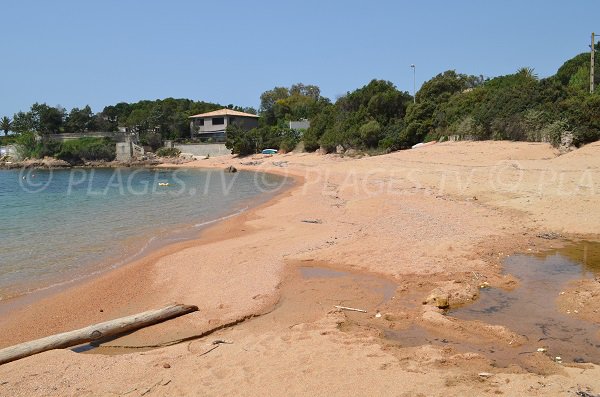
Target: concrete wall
[
  {"x": 201, "y": 150},
  {"x": 116, "y": 136},
  {"x": 124, "y": 151},
  {"x": 128, "y": 150},
  {"x": 300, "y": 125}
]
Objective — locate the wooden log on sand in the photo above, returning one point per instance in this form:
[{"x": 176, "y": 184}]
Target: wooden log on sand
[{"x": 94, "y": 332}]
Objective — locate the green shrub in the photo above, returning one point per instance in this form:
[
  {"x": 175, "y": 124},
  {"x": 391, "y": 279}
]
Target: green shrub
[
  {"x": 30, "y": 145},
  {"x": 77, "y": 151},
  {"x": 289, "y": 140},
  {"x": 152, "y": 139},
  {"x": 311, "y": 140},
  {"x": 168, "y": 152}
]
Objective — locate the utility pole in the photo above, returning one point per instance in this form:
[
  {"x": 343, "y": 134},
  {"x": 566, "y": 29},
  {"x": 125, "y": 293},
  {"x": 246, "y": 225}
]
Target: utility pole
[
  {"x": 415, "y": 83},
  {"x": 593, "y": 53}
]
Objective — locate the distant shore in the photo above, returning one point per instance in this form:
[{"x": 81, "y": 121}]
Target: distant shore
[{"x": 52, "y": 163}]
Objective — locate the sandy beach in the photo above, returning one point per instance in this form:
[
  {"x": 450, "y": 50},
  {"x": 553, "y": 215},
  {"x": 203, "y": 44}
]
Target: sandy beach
[{"x": 394, "y": 235}]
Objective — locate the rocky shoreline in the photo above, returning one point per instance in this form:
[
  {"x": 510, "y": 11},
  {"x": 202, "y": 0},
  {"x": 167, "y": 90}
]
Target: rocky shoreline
[{"x": 52, "y": 163}]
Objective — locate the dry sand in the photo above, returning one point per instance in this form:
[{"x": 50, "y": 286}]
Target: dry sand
[{"x": 420, "y": 225}]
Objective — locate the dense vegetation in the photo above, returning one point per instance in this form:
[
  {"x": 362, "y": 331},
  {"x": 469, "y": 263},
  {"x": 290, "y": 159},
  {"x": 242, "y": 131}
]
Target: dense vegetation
[
  {"x": 277, "y": 107},
  {"x": 377, "y": 116},
  {"x": 75, "y": 151},
  {"x": 168, "y": 117},
  {"x": 518, "y": 106},
  {"x": 154, "y": 121}
]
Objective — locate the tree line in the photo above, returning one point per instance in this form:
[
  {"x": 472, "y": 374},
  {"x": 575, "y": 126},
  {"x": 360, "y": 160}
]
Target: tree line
[
  {"x": 377, "y": 116},
  {"x": 168, "y": 117}
]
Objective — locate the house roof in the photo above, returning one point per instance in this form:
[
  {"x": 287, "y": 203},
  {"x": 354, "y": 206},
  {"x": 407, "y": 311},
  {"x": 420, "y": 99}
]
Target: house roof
[{"x": 223, "y": 112}]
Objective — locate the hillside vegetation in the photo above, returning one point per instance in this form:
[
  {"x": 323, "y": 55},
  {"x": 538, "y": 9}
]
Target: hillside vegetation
[{"x": 377, "y": 116}]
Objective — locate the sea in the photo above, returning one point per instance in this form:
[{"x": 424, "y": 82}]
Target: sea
[{"x": 59, "y": 226}]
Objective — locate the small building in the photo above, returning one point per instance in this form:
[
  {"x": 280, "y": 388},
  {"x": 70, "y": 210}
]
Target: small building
[
  {"x": 302, "y": 124},
  {"x": 213, "y": 124}
]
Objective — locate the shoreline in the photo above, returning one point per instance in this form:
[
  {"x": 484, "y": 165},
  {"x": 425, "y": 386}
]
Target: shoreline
[
  {"x": 429, "y": 239},
  {"x": 51, "y": 163},
  {"x": 104, "y": 273},
  {"x": 153, "y": 243}
]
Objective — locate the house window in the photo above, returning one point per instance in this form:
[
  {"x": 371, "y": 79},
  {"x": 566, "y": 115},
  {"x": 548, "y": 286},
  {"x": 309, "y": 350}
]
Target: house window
[
  {"x": 231, "y": 120},
  {"x": 218, "y": 120},
  {"x": 200, "y": 122}
]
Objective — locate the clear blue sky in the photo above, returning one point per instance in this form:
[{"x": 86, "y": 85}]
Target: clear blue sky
[{"x": 73, "y": 53}]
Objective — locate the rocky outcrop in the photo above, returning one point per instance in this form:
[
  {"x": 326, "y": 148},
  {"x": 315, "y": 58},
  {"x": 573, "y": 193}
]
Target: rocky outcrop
[
  {"x": 52, "y": 163},
  {"x": 46, "y": 162}
]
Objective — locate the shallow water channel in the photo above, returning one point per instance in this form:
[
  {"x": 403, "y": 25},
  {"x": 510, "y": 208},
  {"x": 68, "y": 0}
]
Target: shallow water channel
[{"x": 531, "y": 309}]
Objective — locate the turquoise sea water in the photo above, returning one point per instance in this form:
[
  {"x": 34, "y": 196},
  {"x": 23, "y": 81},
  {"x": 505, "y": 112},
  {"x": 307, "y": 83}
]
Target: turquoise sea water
[{"x": 61, "y": 225}]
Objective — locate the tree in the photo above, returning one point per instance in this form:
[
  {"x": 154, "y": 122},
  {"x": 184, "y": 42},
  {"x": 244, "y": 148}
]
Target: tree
[
  {"x": 23, "y": 122},
  {"x": 574, "y": 65},
  {"x": 242, "y": 142},
  {"x": 80, "y": 120},
  {"x": 281, "y": 104},
  {"x": 47, "y": 119},
  {"x": 5, "y": 125}
]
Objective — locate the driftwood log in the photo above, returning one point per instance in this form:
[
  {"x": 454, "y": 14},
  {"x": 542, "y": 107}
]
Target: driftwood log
[{"x": 94, "y": 332}]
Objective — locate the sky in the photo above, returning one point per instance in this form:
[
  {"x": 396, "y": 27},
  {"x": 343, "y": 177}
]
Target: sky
[{"x": 74, "y": 53}]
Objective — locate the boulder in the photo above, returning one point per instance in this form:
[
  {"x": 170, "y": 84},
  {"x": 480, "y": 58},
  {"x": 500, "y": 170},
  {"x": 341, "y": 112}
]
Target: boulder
[
  {"x": 231, "y": 169},
  {"x": 440, "y": 300},
  {"x": 339, "y": 149},
  {"x": 51, "y": 162},
  {"x": 566, "y": 142},
  {"x": 321, "y": 150}
]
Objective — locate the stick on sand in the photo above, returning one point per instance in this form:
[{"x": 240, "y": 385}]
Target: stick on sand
[
  {"x": 352, "y": 309},
  {"x": 94, "y": 332}
]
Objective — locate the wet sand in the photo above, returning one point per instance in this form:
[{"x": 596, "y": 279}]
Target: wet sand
[{"x": 435, "y": 222}]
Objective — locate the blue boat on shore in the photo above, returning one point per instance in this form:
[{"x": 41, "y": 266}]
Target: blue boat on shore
[{"x": 269, "y": 151}]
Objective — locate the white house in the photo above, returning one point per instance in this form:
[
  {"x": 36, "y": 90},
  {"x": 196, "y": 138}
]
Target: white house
[{"x": 213, "y": 124}]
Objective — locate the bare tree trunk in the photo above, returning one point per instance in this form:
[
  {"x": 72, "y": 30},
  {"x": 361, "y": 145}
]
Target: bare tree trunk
[{"x": 94, "y": 332}]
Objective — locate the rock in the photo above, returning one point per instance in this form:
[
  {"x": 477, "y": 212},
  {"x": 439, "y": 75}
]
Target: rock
[
  {"x": 566, "y": 142},
  {"x": 187, "y": 156},
  {"x": 166, "y": 365},
  {"x": 339, "y": 149},
  {"x": 231, "y": 169},
  {"x": 439, "y": 300},
  {"x": 351, "y": 152},
  {"x": 55, "y": 163},
  {"x": 252, "y": 163},
  {"x": 549, "y": 236}
]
